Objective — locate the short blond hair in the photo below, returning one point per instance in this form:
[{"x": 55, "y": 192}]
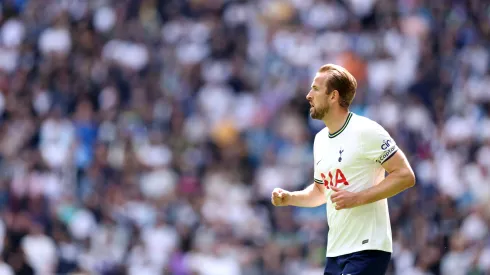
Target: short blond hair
[{"x": 340, "y": 79}]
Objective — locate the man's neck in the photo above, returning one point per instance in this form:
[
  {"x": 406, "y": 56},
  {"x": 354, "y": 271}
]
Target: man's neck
[{"x": 336, "y": 120}]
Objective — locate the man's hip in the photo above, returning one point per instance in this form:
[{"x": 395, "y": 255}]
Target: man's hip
[{"x": 366, "y": 262}]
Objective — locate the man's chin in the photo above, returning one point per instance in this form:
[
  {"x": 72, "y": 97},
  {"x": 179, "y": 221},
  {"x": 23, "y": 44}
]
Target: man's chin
[{"x": 314, "y": 115}]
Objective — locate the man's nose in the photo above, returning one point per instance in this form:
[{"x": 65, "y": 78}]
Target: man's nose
[{"x": 308, "y": 96}]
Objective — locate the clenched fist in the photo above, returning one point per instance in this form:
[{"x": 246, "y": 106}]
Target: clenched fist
[{"x": 280, "y": 197}]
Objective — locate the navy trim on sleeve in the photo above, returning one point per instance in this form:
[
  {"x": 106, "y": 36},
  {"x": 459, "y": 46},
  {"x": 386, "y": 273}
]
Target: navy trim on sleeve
[{"x": 394, "y": 152}]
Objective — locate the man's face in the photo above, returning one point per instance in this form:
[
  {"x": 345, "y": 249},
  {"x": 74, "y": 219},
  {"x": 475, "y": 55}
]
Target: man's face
[{"x": 318, "y": 98}]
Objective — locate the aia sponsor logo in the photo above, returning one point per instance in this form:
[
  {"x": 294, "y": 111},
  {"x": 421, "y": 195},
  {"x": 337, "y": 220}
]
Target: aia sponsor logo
[{"x": 331, "y": 181}]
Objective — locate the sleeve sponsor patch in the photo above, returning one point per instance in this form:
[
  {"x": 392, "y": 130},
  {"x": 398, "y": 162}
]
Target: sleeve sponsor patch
[
  {"x": 378, "y": 145},
  {"x": 388, "y": 149}
]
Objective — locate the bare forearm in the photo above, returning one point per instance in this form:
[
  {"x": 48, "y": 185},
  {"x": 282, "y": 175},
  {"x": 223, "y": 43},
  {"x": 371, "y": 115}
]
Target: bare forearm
[
  {"x": 393, "y": 184},
  {"x": 311, "y": 196}
]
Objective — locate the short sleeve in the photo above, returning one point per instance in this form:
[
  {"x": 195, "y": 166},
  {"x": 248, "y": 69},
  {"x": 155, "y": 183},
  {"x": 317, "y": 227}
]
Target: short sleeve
[
  {"x": 316, "y": 160},
  {"x": 378, "y": 145}
]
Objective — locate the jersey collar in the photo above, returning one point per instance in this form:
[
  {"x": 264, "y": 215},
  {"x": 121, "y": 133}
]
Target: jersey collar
[{"x": 342, "y": 128}]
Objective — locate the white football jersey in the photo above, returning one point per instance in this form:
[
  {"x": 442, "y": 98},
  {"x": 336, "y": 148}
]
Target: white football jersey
[{"x": 351, "y": 159}]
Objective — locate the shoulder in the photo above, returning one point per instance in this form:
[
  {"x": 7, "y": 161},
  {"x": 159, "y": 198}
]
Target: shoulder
[
  {"x": 366, "y": 126},
  {"x": 374, "y": 138}
]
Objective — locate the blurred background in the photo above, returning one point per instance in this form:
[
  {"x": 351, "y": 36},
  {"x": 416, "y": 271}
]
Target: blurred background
[{"x": 145, "y": 136}]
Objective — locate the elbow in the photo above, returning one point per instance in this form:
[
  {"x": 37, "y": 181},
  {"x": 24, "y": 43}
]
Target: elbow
[{"x": 409, "y": 178}]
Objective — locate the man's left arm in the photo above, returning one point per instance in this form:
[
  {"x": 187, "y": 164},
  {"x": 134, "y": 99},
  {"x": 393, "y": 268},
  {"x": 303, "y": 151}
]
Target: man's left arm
[
  {"x": 400, "y": 177},
  {"x": 382, "y": 149}
]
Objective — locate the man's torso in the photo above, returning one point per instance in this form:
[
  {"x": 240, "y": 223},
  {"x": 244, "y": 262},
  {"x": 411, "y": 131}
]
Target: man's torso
[{"x": 340, "y": 161}]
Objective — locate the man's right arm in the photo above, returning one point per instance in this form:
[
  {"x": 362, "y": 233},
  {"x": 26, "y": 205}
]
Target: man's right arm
[
  {"x": 314, "y": 194},
  {"x": 311, "y": 196}
]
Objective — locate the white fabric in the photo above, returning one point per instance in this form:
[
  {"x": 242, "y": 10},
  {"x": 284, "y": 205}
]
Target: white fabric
[
  {"x": 156, "y": 155},
  {"x": 484, "y": 260},
  {"x": 5, "y": 269},
  {"x": 82, "y": 224},
  {"x": 55, "y": 40},
  {"x": 160, "y": 243},
  {"x": 8, "y": 59},
  {"x": 40, "y": 252},
  {"x": 352, "y": 161},
  {"x": 56, "y": 141},
  {"x": 125, "y": 53},
  {"x": 474, "y": 228},
  {"x": 42, "y": 102},
  {"x": 456, "y": 263},
  {"x": 12, "y": 33},
  {"x": 213, "y": 265},
  {"x": 104, "y": 19},
  {"x": 158, "y": 183}
]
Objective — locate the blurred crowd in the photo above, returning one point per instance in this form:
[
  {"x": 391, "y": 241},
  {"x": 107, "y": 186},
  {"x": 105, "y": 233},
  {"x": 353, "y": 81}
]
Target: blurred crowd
[{"x": 145, "y": 136}]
